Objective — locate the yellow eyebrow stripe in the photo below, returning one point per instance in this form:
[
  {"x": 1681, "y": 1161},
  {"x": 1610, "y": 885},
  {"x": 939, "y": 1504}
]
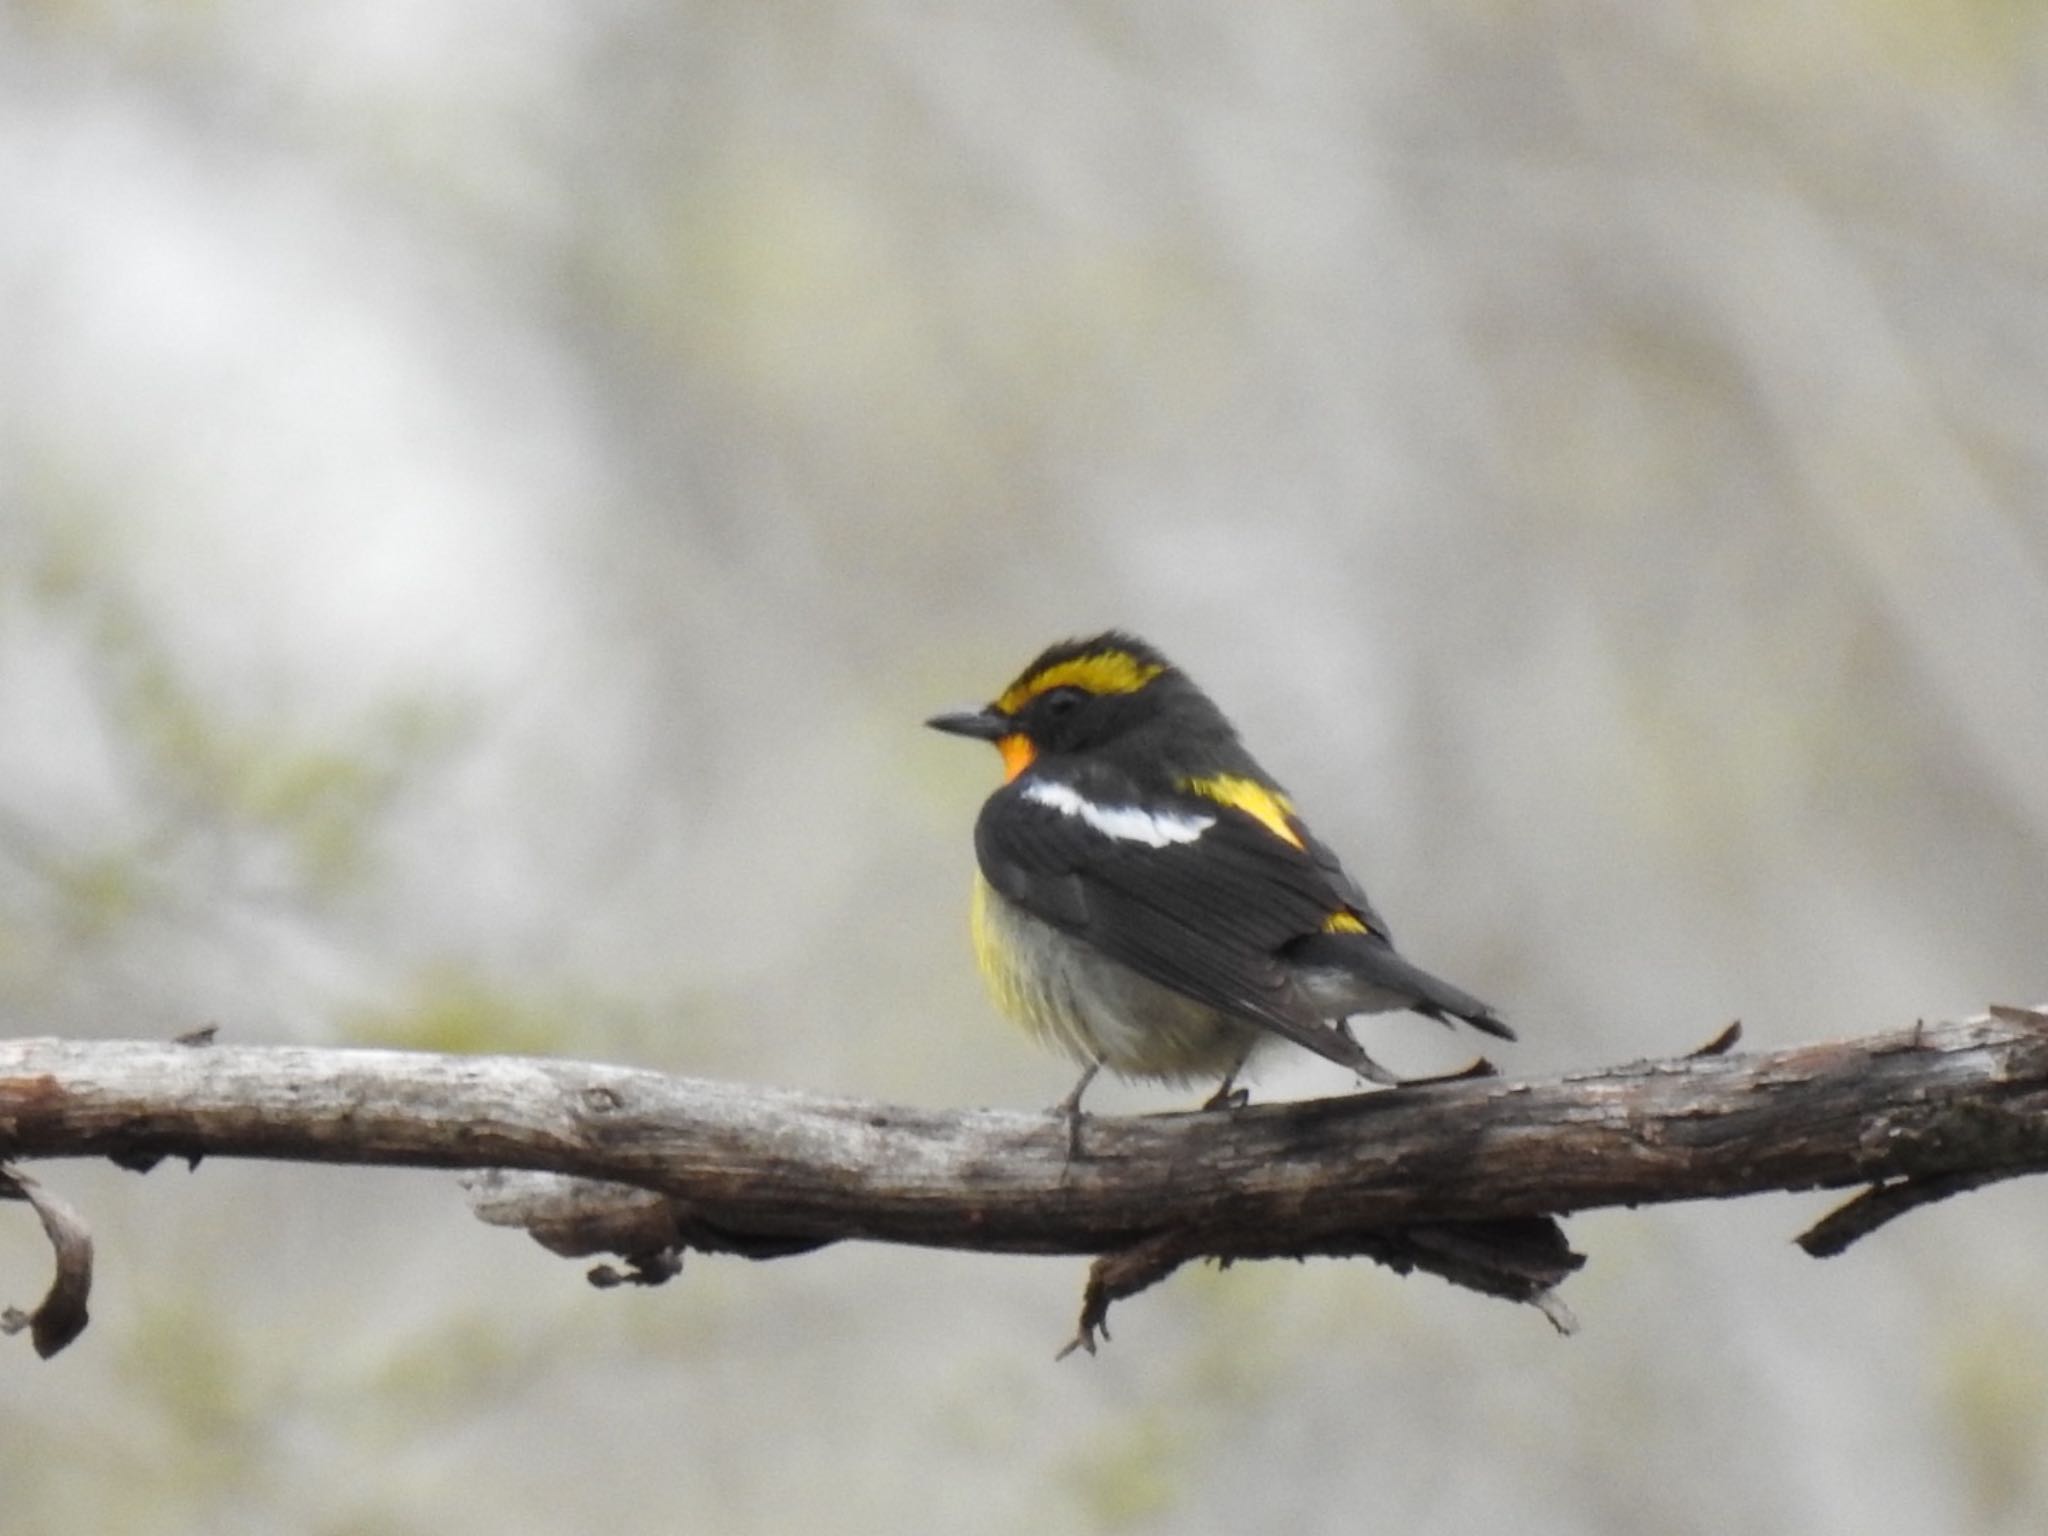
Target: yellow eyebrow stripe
[
  {"x": 1269, "y": 807},
  {"x": 1100, "y": 672},
  {"x": 1345, "y": 922}
]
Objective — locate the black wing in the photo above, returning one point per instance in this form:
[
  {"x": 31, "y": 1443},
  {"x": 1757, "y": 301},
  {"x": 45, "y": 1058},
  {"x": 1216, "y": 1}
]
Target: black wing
[
  {"x": 1207, "y": 916},
  {"x": 1348, "y": 891}
]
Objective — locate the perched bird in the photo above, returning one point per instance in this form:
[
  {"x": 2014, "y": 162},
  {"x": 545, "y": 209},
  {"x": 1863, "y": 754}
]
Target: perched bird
[{"x": 1148, "y": 897}]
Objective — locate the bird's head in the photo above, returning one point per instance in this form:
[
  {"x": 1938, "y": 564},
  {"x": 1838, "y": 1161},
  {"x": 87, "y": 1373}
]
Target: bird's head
[{"x": 1084, "y": 696}]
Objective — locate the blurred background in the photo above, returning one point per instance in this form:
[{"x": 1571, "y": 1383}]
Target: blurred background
[{"x": 488, "y": 493}]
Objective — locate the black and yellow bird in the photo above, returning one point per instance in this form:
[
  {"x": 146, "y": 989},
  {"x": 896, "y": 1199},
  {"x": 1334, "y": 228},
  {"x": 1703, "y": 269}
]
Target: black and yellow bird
[{"x": 1148, "y": 897}]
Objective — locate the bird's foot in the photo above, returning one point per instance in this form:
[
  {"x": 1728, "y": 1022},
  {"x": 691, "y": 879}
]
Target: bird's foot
[
  {"x": 1069, "y": 1109},
  {"x": 1228, "y": 1095}
]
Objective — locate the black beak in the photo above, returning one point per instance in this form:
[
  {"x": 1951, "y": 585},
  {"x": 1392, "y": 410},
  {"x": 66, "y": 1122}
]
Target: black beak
[{"x": 982, "y": 724}]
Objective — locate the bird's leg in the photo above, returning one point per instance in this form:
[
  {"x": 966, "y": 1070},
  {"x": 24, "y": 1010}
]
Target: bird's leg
[
  {"x": 1228, "y": 1095},
  {"x": 1069, "y": 1108}
]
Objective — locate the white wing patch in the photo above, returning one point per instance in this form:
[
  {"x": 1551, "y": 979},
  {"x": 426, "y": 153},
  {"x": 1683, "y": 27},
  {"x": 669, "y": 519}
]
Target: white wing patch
[{"x": 1125, "y": 823}]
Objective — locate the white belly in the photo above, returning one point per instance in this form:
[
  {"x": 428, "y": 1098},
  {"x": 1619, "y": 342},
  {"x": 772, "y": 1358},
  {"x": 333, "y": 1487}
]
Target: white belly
[{"x": 1070, "y": 994}]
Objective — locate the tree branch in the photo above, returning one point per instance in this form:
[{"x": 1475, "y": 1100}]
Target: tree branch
[{"x": 1458, "y": 1178}]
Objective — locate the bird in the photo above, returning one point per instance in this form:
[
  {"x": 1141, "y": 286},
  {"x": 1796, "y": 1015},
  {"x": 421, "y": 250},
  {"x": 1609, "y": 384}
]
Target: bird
[{"x": 1149, "y": 899}]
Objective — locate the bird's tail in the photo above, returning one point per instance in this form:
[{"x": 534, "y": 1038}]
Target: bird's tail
[{"x": 1362, "y": 972}]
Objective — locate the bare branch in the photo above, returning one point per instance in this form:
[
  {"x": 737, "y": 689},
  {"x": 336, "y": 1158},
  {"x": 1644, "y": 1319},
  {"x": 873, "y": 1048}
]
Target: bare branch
[
  {"x": 60, "y": 1316},
  {"x": 1882, "y": 1203},
  {"x": 1724, "y": 1042},
  {"x": 1458, "y": 1178}
]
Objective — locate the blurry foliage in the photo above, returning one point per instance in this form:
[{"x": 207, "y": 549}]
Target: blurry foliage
[
  {"x": 456, "y": 1010},
  {"x": 1937, "y": 45},
  {"x": 302, "y": 802},
  {"x": 207, "y": 1376},
  {"x": 1991, "y": 1367},
  {"x": 318, "y": 801},
  {"x": 1133, "y": 1471},
  {"x": 1581, "y": 425},
  {"x": 452, "y": 1368},
  {"x": 95, "y": 894}
]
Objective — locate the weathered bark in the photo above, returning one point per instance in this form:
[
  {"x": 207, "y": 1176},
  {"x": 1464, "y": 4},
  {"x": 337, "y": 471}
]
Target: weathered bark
[{"x": 1459, "y": 1178}]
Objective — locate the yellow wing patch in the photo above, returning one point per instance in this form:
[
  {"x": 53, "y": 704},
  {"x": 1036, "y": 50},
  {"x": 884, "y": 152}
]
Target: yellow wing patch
[
  {"x": 1274, "y": 811},
  {"x": 1099, "y": 672},
  {"x": 1267, "y": 806}
]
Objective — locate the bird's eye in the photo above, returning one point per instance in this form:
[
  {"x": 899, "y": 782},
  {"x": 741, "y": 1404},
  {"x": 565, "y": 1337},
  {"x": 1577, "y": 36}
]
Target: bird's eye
[{"x": 1058, "y": 703}]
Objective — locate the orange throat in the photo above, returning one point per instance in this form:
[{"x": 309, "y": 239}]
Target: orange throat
[{"x": 1017, "y": 754}]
